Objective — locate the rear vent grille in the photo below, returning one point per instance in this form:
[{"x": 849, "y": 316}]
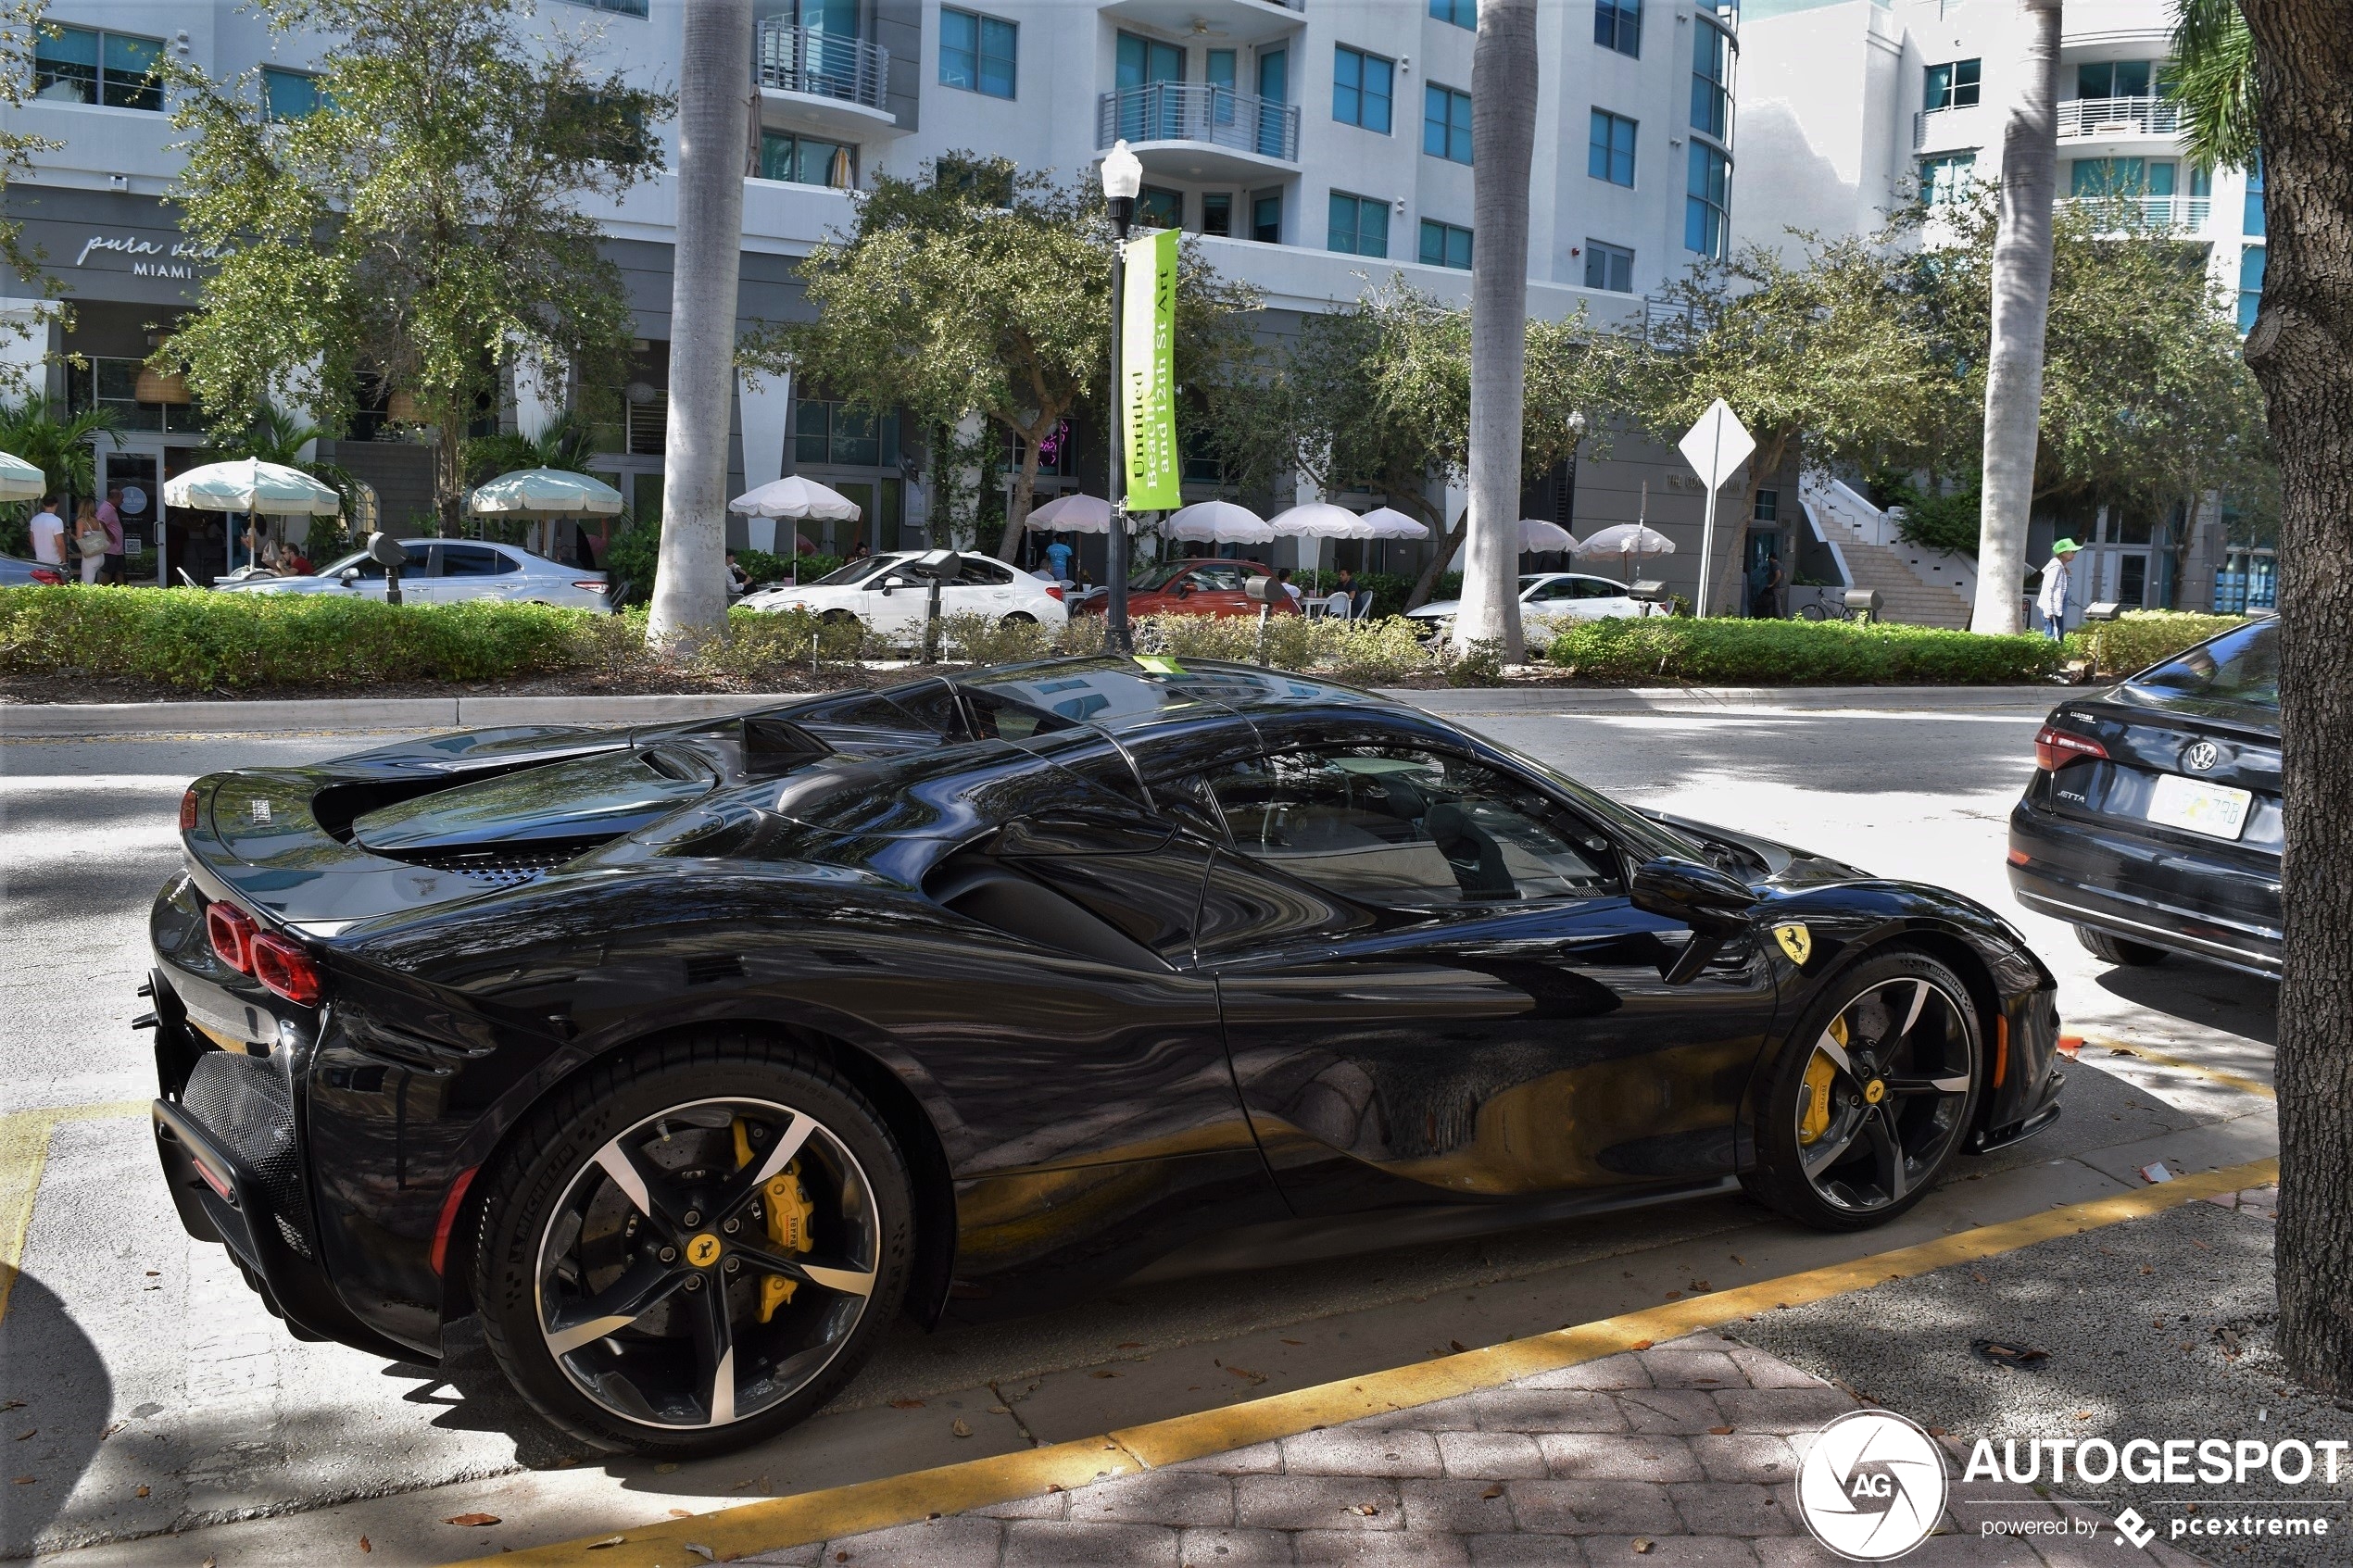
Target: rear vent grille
[
  {"x": 504, "y": 865},
  {"x": 246, "y": 1103}
]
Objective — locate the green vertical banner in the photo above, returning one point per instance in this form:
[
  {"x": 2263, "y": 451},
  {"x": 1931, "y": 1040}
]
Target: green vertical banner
[{"x": 1148, "y": 372}]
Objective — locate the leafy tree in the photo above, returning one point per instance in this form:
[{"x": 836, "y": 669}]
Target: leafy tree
[
  {"x": 2292, "y": 77},
  {"x": 567, "y": 444},
  {"x": 56, "y": 442},
  {"x": 21, "y": 22},
  {"x": 422, "y": 223},
  {"x": 980, "y": 290}
]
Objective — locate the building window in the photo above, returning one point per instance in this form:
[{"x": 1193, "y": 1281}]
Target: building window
[
  {"x": 839, "y": 436},
  {"x": 1361, "y": 89},
  {"x": 977, "y": 52},
  {"x": 288, "y": 94},
  {"x": 80, "y": 65},
  {"x": 1707, "y": 201},
  {"x": 1609, "y": 267},
  {"x": 1159, "y": 207},
  {"x": 1618, "y": 24},
  {"x": 1768, "y": 506},
  {"x": 2133, "y": 177},
  {"x": 1266, "y": 217},
  {"x": 2252, "y": 220},
  {"x": 1944, "y": 180},
  {"x": 626, "y": 7},
  {"x": 1711, "y": 80},
  {"x": 1952, "y": 86},
  {"x": 805, "y": 161},
  {"x": 1443, "y": 244},
  {"x": 1359, "y": 225},
  {"x": 1217, "y": 213},
  {"x": 1461, "y": 13},
  {"x": 2250, "y": 287},
  {"x": 1610, "y": 155},
  {"x": 1446, "y": 125},
  {"x": 2112, "y": 79}
]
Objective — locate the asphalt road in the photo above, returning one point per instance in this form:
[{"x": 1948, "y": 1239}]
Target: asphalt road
[{"x": 159, "y": 1395}]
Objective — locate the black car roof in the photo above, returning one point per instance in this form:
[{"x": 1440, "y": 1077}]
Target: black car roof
[{"x": 1125, "y": 696}]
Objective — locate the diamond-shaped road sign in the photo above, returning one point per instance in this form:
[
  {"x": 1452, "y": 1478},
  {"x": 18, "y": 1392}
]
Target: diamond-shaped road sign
[{"x": 1715, "y": 446}]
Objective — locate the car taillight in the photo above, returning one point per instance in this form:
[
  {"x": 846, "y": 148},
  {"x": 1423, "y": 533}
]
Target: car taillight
[
  {"x": 2055, "y": 748},
  {"x": 285, "y": 969},
  {"x": 188, "y": 809},
  {"x": 1054, "y": 591},
  {"x": 590, "y": 587},
  {"x": 43, "y": 574},
  {"x": 232, "y": 935}
]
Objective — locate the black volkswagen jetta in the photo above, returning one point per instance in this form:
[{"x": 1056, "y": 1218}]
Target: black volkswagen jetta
[
  {"x": 2152, "y": 823},
  {"x": 687, "y": 1057}
]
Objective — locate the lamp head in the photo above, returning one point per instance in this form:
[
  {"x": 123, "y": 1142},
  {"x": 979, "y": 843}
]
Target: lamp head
[
  {"x": 1123, "y": 172},
  {"x": 1577, "y": 422}
]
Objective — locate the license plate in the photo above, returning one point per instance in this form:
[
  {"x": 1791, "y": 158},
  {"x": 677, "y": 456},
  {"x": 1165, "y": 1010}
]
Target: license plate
[{"x": 2217, "y": 810}]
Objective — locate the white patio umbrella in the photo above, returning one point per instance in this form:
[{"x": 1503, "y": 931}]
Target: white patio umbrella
[
  {"x": 1537, "y": 538},
  {"x": 544, "y": 493},
  {"x": 1072, "y": 513},
  {"x": 1387, "y": 523},
  {"x": 1626, "y": 541},
  {"x": 800, "y": 499},
  {"x": 1317, "y": 519},
  {"x": 251, "y": 485},
  {"x": 1219, "y": 522},
  {"x": 19, "y": 481}
]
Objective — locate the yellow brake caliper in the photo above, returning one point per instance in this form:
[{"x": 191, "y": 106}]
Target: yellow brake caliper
[
  {"x": 1814, "y": 1102},
  {"x": 788, "y": 1211}
]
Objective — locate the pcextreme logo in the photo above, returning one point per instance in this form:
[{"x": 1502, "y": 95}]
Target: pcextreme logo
[{"x": 1872, "y": 1486}]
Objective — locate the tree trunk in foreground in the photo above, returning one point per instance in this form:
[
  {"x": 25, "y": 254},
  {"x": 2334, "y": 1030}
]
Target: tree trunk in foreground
[
  {"x": 2021, "y": 309},
  {"x": 690, "y": 582},
  {"x": 2302, "y": 351},
  {"x": 1503, "y": 146}
]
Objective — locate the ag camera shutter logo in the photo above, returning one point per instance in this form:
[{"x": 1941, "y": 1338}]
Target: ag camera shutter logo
[{"x": 1872, "y": 1486}]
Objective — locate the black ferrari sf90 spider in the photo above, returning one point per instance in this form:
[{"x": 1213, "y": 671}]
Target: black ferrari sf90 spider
[{"x": 687, "y": 1056}]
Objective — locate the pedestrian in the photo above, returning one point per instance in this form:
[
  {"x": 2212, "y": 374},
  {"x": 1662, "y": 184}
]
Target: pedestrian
[
  {"x": 738, "y": 580},
  {"x": 1282, "y": 581},
  {"x": 1765, "y": 588},
  {"x": 89, "y": 540},
  {"x": 48, "y": 532},
  {"x": 110, "y": 517},
  {"x": 1058, "y": 561},
  {"x": 298, "y": 564},
  {"x": 861, "y": 550},
  {"x": 2057, "y": 578}
]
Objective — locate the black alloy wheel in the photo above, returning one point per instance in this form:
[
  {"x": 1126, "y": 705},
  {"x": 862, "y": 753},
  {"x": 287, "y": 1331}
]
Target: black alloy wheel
[
  {"x": 698, "y": 1259},
  {"x": 1872, "y": 1096}
]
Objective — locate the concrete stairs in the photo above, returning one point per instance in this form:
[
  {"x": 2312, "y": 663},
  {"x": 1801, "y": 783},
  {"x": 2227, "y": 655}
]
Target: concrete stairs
[{"x": 1916, "y": 586}]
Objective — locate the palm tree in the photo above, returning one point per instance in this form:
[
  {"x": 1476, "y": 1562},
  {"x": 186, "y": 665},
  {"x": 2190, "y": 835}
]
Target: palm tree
[
  {"x": 567, "y": 443},
  {"x": 276, "y": 436},
  {"x": 2021, "y": 311},
  {"x": 60, "y": 448},
  {"x": 2213, "y": 82},
  {"x": 690, "y": 592},
  {"x": 1502, "y": 148}
]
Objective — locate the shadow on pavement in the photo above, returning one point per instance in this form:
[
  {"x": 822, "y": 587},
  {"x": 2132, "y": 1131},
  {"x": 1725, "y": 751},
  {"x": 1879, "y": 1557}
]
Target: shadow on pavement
[
  {"x": 59, "y": 1399},
  {"x": 2202, "y": 993},
  {"x": 472, "y": 1395}
]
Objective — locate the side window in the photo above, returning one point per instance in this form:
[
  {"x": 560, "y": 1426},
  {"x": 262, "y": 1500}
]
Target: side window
[
  {"x": 472, "y": 561},
  {"x": 1558, "y": 588},
  {"x": 1407, "y": 829},
  {"x": 983, "y": 574},
  {"x": 1188, "y": 800},
  {"x": 1588, "y": 588}
]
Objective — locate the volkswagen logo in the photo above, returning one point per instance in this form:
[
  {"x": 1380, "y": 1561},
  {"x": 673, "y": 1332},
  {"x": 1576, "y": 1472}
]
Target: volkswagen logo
[{"x": 2200, "y": 756}]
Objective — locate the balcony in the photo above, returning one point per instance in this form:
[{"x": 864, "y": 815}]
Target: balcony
[
  {"x": 832, "y": 82},
  {"x": 1194, "y": 130},
  {"x": 1952, "y": 131},
  {"x": 2118, "y": 118},
  {"x": 1228, "y": 21},
  {"x": 2177, "y": 214}
]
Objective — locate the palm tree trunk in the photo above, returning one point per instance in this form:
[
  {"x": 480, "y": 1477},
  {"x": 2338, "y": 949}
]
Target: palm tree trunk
[
  {"x": 1503, "y": 146},
  {"x": 2304, "y": 67},
  {"x": 690, "y": 581},
  {"x": 2021, "y": 309}
]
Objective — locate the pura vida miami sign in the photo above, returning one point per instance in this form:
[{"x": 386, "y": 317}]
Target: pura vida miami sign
[{"x": 147, "y": 258}]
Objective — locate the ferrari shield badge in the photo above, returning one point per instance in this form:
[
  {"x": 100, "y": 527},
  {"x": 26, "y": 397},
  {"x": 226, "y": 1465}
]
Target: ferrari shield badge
[{"x": 1796, "y": 941}]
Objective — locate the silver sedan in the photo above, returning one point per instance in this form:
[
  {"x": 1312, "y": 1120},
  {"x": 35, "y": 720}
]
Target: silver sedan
[{"x": 445, "y": 570}]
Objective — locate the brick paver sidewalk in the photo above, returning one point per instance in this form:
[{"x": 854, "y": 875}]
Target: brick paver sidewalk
[{"x": 1686, "y": 1453}]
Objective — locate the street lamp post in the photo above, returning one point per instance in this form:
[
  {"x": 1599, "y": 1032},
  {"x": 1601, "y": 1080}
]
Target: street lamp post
[{"x": 1123, "y": 178}]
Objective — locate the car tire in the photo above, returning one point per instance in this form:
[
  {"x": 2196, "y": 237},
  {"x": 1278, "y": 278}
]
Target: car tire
[
  {"x": 2116, "y": 950},
  {"x": 836, "y": 618},
  {"x": 1019, "y": 618},
  {"x": 561, "y": 1233},
  {"x": 1826, "y": 1129}
]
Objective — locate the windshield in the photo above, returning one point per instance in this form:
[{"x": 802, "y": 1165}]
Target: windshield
[
  {"x": 1159, "y": 576},
  {"x": 2241, "y": 666},
  {"x": 855, "y": 572}
]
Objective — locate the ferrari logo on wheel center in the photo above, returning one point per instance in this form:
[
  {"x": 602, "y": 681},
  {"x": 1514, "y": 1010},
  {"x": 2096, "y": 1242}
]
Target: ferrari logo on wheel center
[
  {"x": 704, "y": 1251},
  {"x": 1875, "y": 1091}
]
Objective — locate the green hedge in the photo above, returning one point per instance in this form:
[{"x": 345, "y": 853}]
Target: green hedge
[
  {"x": 2141, "y": 637},
  {"x": 1665, "y": 650}
]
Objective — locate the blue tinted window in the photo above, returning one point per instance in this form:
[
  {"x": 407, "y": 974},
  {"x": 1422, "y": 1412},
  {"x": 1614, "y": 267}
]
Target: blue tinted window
[
  {"x": 2250, "y": 286},
  {"x": 1461, "y": 13},
  {"x": 1707, "y": 201},
  {"x": 1446, "y": 125},
  {"x": 1359, "y": 225},
  {"x": 1711, "y": 80},
  {"x": 1618, "y": 24},
  {"x": 1362, "y": 86},
  {"x": 977, "y": 52},
  {"x": 288, "y": 94},
  {"x": 1609, "y": 153},
  {"x": 1444, "y": 244}
]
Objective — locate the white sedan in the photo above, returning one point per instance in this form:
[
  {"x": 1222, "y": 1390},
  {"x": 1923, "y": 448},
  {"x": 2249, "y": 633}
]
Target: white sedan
[
  {"x": 1555, "y": 596},
  {"x": 445, "y": 570},
  {"x": 879, "y": 592}
]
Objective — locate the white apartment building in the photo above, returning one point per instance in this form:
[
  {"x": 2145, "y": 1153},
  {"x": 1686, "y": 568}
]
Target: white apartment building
[
  {"x": 1317, "y": 149},
  {"x": 1851, "y": 107}
]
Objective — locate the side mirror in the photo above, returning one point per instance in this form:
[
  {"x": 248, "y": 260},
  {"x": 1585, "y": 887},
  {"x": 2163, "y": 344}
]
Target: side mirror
[
  {"x": 1184, "y": 590},
  {"x": 1700, "y": 896},
  {"x": 347, "y": 576}
]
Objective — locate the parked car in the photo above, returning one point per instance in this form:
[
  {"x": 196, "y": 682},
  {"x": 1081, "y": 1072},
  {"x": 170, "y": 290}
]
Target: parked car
[
  {"x": 443, "y": 572},
  {"x": 1554, "y": 596},
  {"x": 880, "y": 593},
  {"x": 688, "y": 1057},
  {"x": 15, "y": 573},
  {"x": 1198, "y": 588},
  {"x": 2152, "y": 823}
]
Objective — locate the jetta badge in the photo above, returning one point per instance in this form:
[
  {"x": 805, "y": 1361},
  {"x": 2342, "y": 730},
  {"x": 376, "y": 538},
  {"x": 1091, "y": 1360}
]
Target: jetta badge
[
  {"x": 2199, "y": 756},
  {"x": 1796, "y": 941}
]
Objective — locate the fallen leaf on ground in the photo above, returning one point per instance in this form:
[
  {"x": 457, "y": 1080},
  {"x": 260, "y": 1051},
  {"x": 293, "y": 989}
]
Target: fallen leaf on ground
[
  {"x": 111, "y": 1428},
  {"x": 1364, "y": 1509},
  {"x": 680, "y": 1513},
  {"x": 366, "y": 1545},
  {"x": 1701, "y": 1286},
  {"x": 1102, "y": 1372},
  {"x": 2083, "y": 1415},
  {"x": 1937, "y": 1432},
  {"x": 141, "y": 1492},
  {"x": 1294, "y": 1341},
  {"x": 1741, "y": 1260},
  {"x": 960, "y": 1428},
  {"x": 27, "y": 1433},
  {"x": 212, "y": 1561},
  {"x": 1640, "y": 1345},
  {"x": 1456, "y": 1346},
  {"x": 11, "y": 1404},
  {"x": 1719, "y": 1431},
  {"x": 2008, "y": 1355},
  {"x": 1674, "y": 1296},
  {"x": 609, "y": 1540},
  {"x": 1642, "y": 1545},
  {"x": 702, "y": 1551},
  {"x": 906, "y": 1404},
  {"x": 24, "y": 1480},
  {"x": 472, "y": 1520},
  {"x": 1244, "y": 1371},
  {"x": 1491, "y": 1494},
  {"x": 1131, "y": 1345}
]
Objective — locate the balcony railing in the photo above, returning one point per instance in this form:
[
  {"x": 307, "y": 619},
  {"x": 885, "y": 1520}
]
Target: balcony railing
[
  {"x": 2081, "y": 117},
  {"x": 1948, "y": 130},
  {"x": 1184, "y": 111},
  {"x": 2187, "y": 213},
  {"x": 823, "y": 64}
]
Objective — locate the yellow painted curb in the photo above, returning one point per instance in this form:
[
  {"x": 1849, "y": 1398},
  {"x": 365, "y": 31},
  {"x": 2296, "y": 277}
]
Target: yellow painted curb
[
  {"x": 24, "y": 1153},
  {"x": 2229, "y": 1080},
  {"x": 755, "y": 1528}
]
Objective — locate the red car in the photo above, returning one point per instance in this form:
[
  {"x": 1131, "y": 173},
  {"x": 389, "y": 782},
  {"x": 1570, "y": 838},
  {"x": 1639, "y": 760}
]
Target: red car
[{"x": 1200, "y": 587}]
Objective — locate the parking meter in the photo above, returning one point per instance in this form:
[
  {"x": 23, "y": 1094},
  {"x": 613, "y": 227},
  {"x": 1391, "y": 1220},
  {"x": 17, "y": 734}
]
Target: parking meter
[
  {"x": 1260, "y": 590},
  {"x": 932, "y": 569},
  {"x": 387, "y": 552}
]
